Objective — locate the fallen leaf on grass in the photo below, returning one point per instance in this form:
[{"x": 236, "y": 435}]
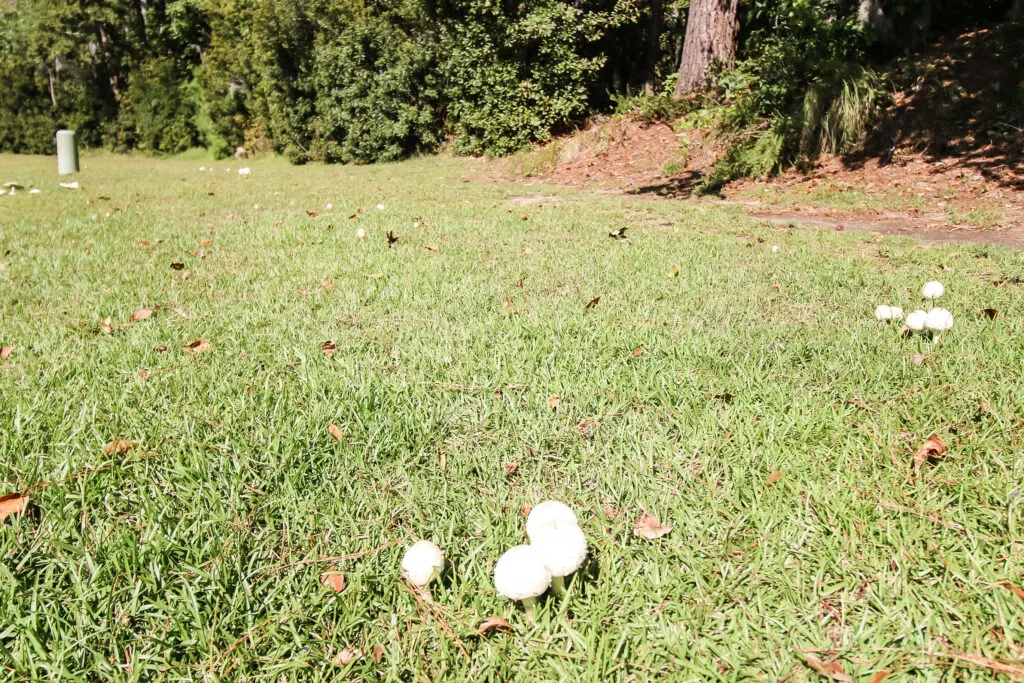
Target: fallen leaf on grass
[
  {"x": 334, "y": 581},
  {"x": 990, "y": 313},
  {"x": 1017, "y": 590},
  {"x": 328, "y": 348},
  {"x": 378, "y": 653},
  {"x": 142, "y": 314},
  {"x": 831, "y": 670},
  {"x": 511, "y": 468},
  {"x": 554, "y": 402},
  {"x": 492, "y": 623},
  {"x": 430, "y": 247},
  {"x": 205, "y": 242},
  {"x": 335, "y": 431},
  {"x": 932, "y": 448},
  {"x": 593, "y": 302},
  {"x": 374, "y": 276},
  {"x": 12, "y": 504},
  {"x": 918, "y": 359},
  {"x": 327, "y": 284},
  {"x": 879, "y": 676},
  {"x": 638, "y": 351},
  {"x": 346, "y": 656},
  {"x": 6, "y": 352},
  {"x": 773, "y": 477},
  {"x": 198, "y": 346},
  {"x": 107, "y": 326},
  {"x": 177, "y": 266},
  {"x": 674, "y": 272},
  {"x": 119, "y": 447},
  {"x": 650, "y": 527},
  {"x": 159, "y": 349}
]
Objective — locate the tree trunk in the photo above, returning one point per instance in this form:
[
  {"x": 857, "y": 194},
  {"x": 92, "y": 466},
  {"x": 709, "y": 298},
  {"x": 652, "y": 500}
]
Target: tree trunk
[
  {"x": 653, "y": 47},
  {"x": 711, "y": 28}
]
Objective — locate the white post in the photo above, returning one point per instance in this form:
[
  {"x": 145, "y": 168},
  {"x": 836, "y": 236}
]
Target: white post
[{"x": 67, "y": 152}]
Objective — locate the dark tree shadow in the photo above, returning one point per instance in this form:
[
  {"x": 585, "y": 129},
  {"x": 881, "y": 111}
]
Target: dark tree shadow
[
  {"x": 959, "y": 103},
  {"x": 676, "y": 187}
]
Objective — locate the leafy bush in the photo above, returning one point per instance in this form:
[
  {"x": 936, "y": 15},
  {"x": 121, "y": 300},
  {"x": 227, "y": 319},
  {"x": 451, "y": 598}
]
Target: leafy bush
[{"x": 158, "y": 111}]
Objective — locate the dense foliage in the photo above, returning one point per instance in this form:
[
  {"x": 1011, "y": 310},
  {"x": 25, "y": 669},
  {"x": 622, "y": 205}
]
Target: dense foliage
[{"x": 372, "y": 80}]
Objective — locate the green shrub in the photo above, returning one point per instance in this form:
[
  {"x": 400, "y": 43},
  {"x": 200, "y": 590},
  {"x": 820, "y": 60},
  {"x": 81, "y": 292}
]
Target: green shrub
[{"x": 158, "y": 111}]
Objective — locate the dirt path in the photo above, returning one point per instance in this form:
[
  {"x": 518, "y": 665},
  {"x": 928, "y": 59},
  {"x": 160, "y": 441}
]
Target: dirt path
[{"x": 907, "y": 226}]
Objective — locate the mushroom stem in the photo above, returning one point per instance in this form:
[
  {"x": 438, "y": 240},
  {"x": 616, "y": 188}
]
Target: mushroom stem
[
  {"x": 529, "y": 605},
  {"x": 425, "y": 594},
  {"x": 558, "y": 586}
]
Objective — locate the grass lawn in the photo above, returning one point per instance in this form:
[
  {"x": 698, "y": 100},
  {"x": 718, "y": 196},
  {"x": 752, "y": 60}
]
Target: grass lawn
[{"x": 752, "y": 403}]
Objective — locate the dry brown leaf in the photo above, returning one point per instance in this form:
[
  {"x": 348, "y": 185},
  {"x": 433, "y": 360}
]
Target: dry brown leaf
[
  {"x": 198, "y": 346},
  {"x": 334, "y": 581},
  {"x": 638, "y": 351},
  {"x": 335, "y": 431},
  {"x": 430, "y": 247},
  {"x": 177, "y": 266},
  {"x": 650, "y": 527},
  {"x": 918, "y": 359},
  {"x": 773, "y": 477},
  {"x": 327, "y": 284},
  {"x": 990, "y": 313},
  {"x": 159, "y": 349},
  {"x": 378, "y": 653},
  {"x": 492, "y": 623},
  {"x": 328, "y": 348},
  {"x": 374, "y": 276},
  {"x": 12, "y": 504},
  {"x": 205, "y": 242},
  {"x": 524, "y": 217},
  {"x": 119, "y": 447},
  {"x": 525, "y": 510},
  {"x": 879, "y": 676},
  {"x": 931, "y": 449},
  {"x": 6, "y": 352},
  {"x": 831, "y": 670},
  {"x": 347, "y": 656},
  {"x": 554, "y": 401},
  {"x": 511, "y": 468},
  {"x": 142, "y": 314},
  {"x": 1017, "y": 590},
  {"x": 674, "y": 272},
  {"x": 107, "y": 326},
  {"x": 593, "y": 302}
]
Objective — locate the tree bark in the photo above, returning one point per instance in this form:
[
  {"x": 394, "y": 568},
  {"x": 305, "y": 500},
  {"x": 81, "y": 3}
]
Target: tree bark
[{"x": 711, "y": 28}]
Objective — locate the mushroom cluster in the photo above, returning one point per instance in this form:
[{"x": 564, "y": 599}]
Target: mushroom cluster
[
  {"x": 935, "y": 321},
  {"x": 557, "y": 549}
]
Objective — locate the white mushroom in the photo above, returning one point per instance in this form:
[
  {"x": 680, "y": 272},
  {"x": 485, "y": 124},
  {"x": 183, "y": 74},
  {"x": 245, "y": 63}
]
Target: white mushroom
[
  {"x": 34, "y": 190},
  {"x": 244, "y": 171},
  {"x": 70, "y": 186},
  {"x": 915, "y": 320},
  {"x": 563, "y": 547},
  {"x": 938, "y": 320},
  {"x": 545, "y": 513},
  {"x": 360, "y": 233},
  {"x": 885, "y": 312},
  {"x": 380, "y": 207},
  {"x": 932, "y": 290},
  {"x": 520, "y": 574},
  {"x": 422, "y": 563},
  {"x": 329, "y": 206}
]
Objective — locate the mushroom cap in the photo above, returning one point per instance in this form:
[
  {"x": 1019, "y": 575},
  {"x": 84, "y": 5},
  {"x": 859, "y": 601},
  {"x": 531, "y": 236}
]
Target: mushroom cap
[
  {"x": 244, "y": 171},
  {"x": 422, "y": 562},
  {"x": 932, "y": 290},
  {"x": 361, "y": 233},
  {"x": 16, "y": 186},
  {"x": 938, "y": 319},
  {"x": 520, "y": 574},
  {"x": 886, "y": 312},
  {"x": 547, "y": 512},
  {"x": 563, "y": 547},
  {"x": 915, "y": 320}
]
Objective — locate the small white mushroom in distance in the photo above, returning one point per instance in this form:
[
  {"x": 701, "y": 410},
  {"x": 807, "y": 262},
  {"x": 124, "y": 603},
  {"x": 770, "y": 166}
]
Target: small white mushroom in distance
[
  {"x": 547, "y": 512},
  {"x": 360, "y": 233},
  {"x": 244, "y": 171},
  {"x": 422, "y": 563},
  {"x": 932, "y": 290},
  {"x": 563, "y": 547},
  {"x": 520, "y": 574},
  {"x": 938, "y": 320},
  {"x": 915, "y": 320},
  {"x": 885, "y": 312}
]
